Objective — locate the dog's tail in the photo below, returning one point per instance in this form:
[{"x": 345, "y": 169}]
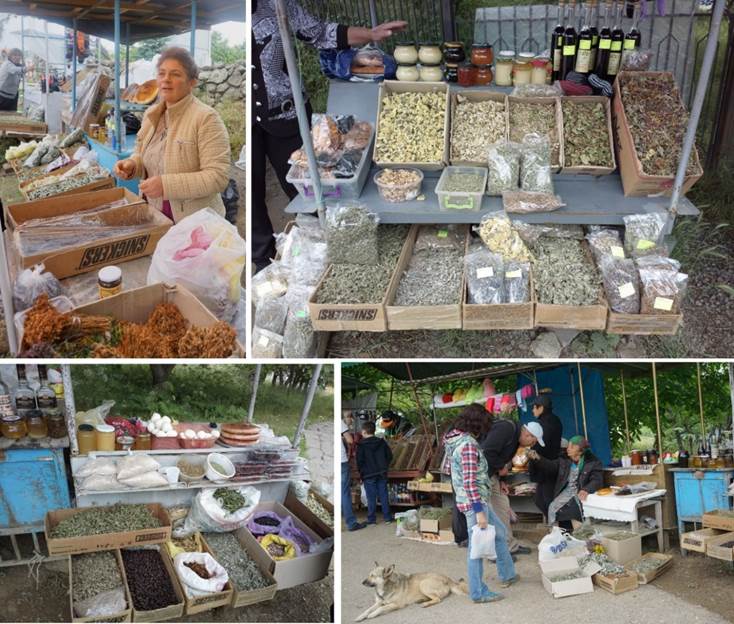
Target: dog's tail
[{"x": 460, "y": 587}]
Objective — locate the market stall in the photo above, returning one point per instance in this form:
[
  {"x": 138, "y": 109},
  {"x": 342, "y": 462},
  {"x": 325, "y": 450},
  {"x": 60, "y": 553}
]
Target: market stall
[
  {"x": 232, "y": 498},
  {"x": 549, "y": 176}
]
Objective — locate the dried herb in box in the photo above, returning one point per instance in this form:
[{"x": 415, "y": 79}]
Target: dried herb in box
[
  {"x": 118, "y": 518},
  {"x": 536, "y": 118},
  {"x": 431, "y": 278},
  {"x": 564, "y": 275},
  {"x": 94, "y": 574},
  {"x": 586, "y": 141},
  {"x": 351, "y": 234},
  {"x": 243, "y": 571},
  {"x": 475, "y": 126}
]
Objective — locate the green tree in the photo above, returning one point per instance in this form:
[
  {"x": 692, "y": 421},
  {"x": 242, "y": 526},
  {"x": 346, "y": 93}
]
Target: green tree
[
  {"x": 223, "y": 52},
  {"x": 148, "y": 48}
]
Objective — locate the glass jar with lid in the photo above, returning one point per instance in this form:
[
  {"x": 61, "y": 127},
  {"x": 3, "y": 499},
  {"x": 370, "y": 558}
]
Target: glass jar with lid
[
  {"x": 407, "y": 73},
  {"x": 13, "y": 426},
  {"x": 429, "y": 53},
  {"x": 453, "y": 52},
  {"x": 124, "y": 443},
  {"x": 405, "y": 53},
  {"x": 36, "y": 424},
  {"x": 482, "y": 54},
  {"x": 86, "y": 439},
  {"x": 56, "y": 423},
  {"x": 431, "y": 73},
  {"x": 522, "y": 69},
  {"x": 143, "y": 442},
  {"x": 503, "y": 68},
  {"x": 542, "y": 70},
  {"x": 451, "y": 71},
  {"x": 484, "y": 75},
  {"x": 105, "y": 438},
  {"x": 467, "y": 75}
]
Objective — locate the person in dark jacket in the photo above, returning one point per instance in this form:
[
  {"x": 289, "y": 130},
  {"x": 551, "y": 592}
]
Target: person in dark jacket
[
  {"x": 552, "y": 433},
  {"x": 574, "y": 477},
  {"x": 373, "y": 460}
]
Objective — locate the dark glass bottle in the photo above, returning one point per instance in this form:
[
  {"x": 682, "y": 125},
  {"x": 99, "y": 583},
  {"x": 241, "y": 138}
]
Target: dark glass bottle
[
  {"x": 556, "y": 46},
  {"x": 583, "y": 54},
  {"x": 615, "y": 52},
  {"x": 633, "y": 39},
  {"x": 25, "y": 398},
  {"x": 570, "y": 40},
  {"x": 594, "y": 35},
  {"x": 45, "y": 396},
  {"x": 605, "y": 44}
]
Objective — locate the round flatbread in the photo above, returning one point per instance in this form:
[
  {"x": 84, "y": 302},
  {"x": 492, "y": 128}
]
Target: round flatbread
[{"x": 147, "y": 92}]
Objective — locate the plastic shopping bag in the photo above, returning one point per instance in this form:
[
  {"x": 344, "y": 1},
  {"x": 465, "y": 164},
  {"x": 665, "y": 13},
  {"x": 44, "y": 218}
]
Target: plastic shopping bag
[
  {"x": 192, "y": 583},
  {"x": 207, "y": 514},
  {"x": 482, "y": 542},
  {"x": 205, "y": 254},
  {"x": 558, "y": 543}
]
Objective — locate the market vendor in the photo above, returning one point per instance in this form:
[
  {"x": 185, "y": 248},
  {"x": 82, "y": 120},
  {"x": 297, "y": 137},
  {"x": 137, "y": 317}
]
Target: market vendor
[
  {"x": 552, "y": 433},
  {"x": 347, "y": 442},
  {"x": 182, "y": 151},
  {"x": 11, "y": 72},
  {"x": 574, "y": 477},
  {"x": 499, "y": 446},
  {"x": 275, "y": 133}
]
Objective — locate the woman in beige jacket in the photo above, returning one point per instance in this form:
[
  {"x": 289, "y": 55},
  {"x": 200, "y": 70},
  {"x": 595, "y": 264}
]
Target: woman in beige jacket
[{"x": 182, "y": 149}]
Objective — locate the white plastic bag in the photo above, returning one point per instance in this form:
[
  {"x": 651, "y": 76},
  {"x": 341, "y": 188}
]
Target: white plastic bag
[
  {"x": 558, "y": 543},
  {"x": 145, "y": 480},
  {"x": 102, "y": 605},
  {"x": 99, "y": 482},
  {"x": 482, "y": 542},
  {"x": 205, "y": 254},
  {"x": 406, "y": 521},
  {"x": 102, "y": 466},
  {"x": 33, "y": 282},
  {"x": 207, "y": 514},
  {"x": 134, "y": 465},
  {"x": 193, "y": 584}
]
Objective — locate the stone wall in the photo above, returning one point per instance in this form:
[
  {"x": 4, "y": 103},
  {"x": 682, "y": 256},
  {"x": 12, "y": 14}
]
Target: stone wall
[{"x": 220, "y": 81}]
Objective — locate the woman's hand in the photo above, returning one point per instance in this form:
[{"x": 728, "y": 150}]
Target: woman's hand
[
  {"x": 504, "y": 488},
  {"x": 125, "y": 169},
  {"x": 583, "y": 494},
  {"x": 532, "y": 455},
  {"x": 482, "y": 520},
  {"x": 152, "y": 187},
  {"x": 386, "y": 30}
]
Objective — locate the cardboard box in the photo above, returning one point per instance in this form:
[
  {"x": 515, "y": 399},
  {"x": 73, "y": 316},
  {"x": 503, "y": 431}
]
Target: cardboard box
[
  {"x": 419, "y": 317},
  {"x": 715, "y": 547},
  {"x": 617, "y": 584},
  {"x": 555, "y": 166},
  {"x": 623, "y": 551},
  {"x": 573, "y": 587},
  {"x": 170, "y": 612},
  {"x": 442, "y": 536},
  {"x": 308, "y": 517},
  {"x": 717, "y": 520},
  {"x": 643, "y": 324},
  {"x": 636, "y": 183},
  {"x": 696, "y": 541},
  {"x": 476, "y": 96},
  {"x": 588, "y": 169},
  {"x": 122, "y": 616},
  {"x": 434, "y": 526},
  {"x": 393, "y": 86},
  {"x": 95, "y": 185},
  {"x": 106, "y": 541},
  {"x": 304, "y": 569},
  {"x": 647, "y": 577},
  {"x": 91, "y": 256},
  {"x": 434, "y": 486},
  {"x": 15, "y": 123},
  {"x": 137, "y": 304}
]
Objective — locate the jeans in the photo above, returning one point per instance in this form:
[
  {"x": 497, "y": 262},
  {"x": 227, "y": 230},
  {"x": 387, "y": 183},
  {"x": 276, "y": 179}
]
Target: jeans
[
  {"x": 505, "y": 566},
  {"x": 347, "y": 512},
  {"x": 374, "y": 487}
]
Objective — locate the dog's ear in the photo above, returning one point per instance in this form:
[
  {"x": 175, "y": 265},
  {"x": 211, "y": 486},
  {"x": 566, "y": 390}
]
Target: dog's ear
[{"x": 389, "y": 571}]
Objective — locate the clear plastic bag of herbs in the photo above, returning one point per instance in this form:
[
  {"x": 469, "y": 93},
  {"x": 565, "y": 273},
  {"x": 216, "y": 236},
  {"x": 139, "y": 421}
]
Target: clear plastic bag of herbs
[
  {"x": 644, "y": 234},
  {"x": 351, "y": 234},
  {"x": 663, "y": 286},
  {"x": 266, "y": 344},
  {"x": 271, "y": 314},
  {"x": 299, "y": 338},
  {"x": 517, "y": 282},
  {"x": 484, "y": 272},
  {"x": 535, "y": 167},
  {"x": 621, "y": 284},
  {"x": 605, "y": 242},
  {"x": 503, "y": 161},
  {"x": 441, "y": 236}
]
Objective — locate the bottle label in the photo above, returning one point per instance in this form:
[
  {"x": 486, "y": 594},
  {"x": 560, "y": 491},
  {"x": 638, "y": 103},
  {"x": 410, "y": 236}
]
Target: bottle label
[
  {"x": 556, "y": 60},
  {"x": 613, "y": 66},
  {"x": 594, "y": 40},
  {"x": 25, "y": 403},
  {"x": 585, "y": 44},
  {"x": 583, "y": 61},
  {"x": 569, "y": 50},
  {"x": 559, "y": 41},
  {"x": 616, "y": 46},
  {"x": 47, "y": 403},
  {"x": 630, "y": 44},
  {"x": 605, "y": 44}
]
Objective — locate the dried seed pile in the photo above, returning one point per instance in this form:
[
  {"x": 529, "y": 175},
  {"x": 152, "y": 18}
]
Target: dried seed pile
[
  {"x": 411, "y": 128},
  {"x": 456, "y": 182},
  {"x": 586, "y": 135},
  {"x": 657, "y": 120},
  {"x": 431, "y": 278},
  {"x": 94, "y": 573},
  {"x": 116, "y": 519},
  {"x": 150, "y": 584},
  {"x": 241, "y": 568},
  {"x": 476, "y": 125},
  {"x": 539, "y": 118},
  {"x": 564, "y": 274},
  {"x": 230, "y": 500},
  {"x": 320, "y": 511},
  {"x": 348, "y": 283}
]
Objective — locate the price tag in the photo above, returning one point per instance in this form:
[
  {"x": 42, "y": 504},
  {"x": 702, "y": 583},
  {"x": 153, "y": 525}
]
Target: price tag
[
  {"x": 663, "y": 303},
  {"x": 629, "y": 44},
  {"x": 513, "y": 274},
  {"x": 627, "y": 290},
  {"x": 617, "y": 251},
  {"x": 643, "y": 244},
  {"x": 483, "y": 272},
  {"x": 263, "y": 342},
  {"x": 301, "y": 314},
  {"x": 442, "y": 233},
  {"x": 585, "y": 44}
]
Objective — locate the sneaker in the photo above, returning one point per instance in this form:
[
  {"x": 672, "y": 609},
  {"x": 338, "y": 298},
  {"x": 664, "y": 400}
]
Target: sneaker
[
  {"x": 511, "y": 581},
  {"x": 522, "y": 550},
  {"x": 492, "y": 597},
  {"x": 388, "y": 521},
  {"x": 371, "y": 522},
  {"x": 358, "y": 526}
]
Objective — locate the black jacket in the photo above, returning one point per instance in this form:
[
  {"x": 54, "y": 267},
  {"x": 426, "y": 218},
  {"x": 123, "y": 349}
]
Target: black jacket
[
  {"x": 500, "y": 444},
  {"x": 552, "y": 433},
  {"x": 373, "y": 457},
  {"x": 591, "y": 477}
]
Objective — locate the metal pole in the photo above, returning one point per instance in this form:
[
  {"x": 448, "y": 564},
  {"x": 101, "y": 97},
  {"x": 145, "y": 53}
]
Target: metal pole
[
  {"x": 626, "y": 421},
  {"x": 7, "y": 296},
  {"x": 48, "y": 73},
  {"x": 127, "y": 55},
  {"x": 118, "y": 116},
  {"x": 701, "y": 88},
  {"x": 192, "y": 45},
  {"x": 22, "y": 50},
  {"x": 583, "y": 402},
  {"x": 70, "y": 408},
  {"x": 731, "y": 392},
  {"x": 657, "y": 407},
  {"x": 700, "y": 399},
  {"x": 253, "y": 399},
  {"x": 73, "y": 70},
  {"x": 303, "y": 122},
  {"x": 312, "y": 386},
  {"x": 418, "y": 404},
  {"x": 373, "y": 14}
]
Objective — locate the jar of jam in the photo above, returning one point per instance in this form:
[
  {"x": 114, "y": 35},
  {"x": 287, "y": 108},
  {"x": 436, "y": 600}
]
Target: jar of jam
[
  {"x": 429, "y": 53},
  {"x": 109, "y": 281},
  {"x": 405, "y": 53},
  {"x": 407, "y": 73},
  {"x": 467, "y": 75},
  {"x": 36, "y": 424},
  {"x": 451, "y": 71},
  {"x": 483, "y": 75},
  {"x": 56, "y": 424},
  {"x": 542, "y": 70},
  {"x": 453, "y": 52},
  {"x": 636, "y": 457},
  {"x": 482, "y": 54},
  {"x": 143, "y": 442},
  {"x": 652, "y": 457},
  {"x": 503, "y": 68},
  {"x": 13, "y": 426},
  {"x": 522, "y": 69},
  {"x": 431, "y": 73},
  {"x": 86, "y": 439},
  {"x": 105, "y": 437}
]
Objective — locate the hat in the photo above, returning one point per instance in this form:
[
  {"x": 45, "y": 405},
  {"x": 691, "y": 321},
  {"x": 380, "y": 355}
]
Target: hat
[
  {"x": 544, "y": 400},
  {"x": 536, "y": 430}
]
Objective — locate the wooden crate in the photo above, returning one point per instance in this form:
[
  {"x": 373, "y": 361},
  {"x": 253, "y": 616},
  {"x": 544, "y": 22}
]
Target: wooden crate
[
  {"x": 717, "y": 520},
  {"x": 476, "y": 96},
  {"x": 443, "y": 488},
  {"x": 697, "y": 540},
  {"x": 122, "y": 616},
  {"x": 506, "y": 316},
  {"x": 11, "y": 124},
  {"x": 198, "y": 604},
  {"x": 96, "y": 185},
  {"x": 617, "y": 584},
  {"x": 419, "y": 317},
  {"x": 591, "y": 170},
  {"x": 643, "y": 324},
  {"x": 715, "y": 548},
  {"x": 648, "y": 577}
]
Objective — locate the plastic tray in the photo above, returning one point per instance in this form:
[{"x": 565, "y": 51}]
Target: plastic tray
[
  {"x": 411, "y": 190},
  {"x": 460, "y": 200}
]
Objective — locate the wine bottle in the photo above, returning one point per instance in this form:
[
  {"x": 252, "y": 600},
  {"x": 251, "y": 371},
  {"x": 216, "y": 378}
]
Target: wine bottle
[
  {"x": 583, "y": 55},
  {"x": 615, "y": 52},
  {"x": 557, "y": 43},
  {"x": 605, "y": 44},
  {"x": 594, "y": 36},
  {"x": 570, "y": 40},
  {"x": 633, "y": 38}
]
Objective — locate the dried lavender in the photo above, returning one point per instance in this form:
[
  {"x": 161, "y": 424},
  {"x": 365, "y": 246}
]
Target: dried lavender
[
  {"x": 586, "y": 139},
  {"x": 564, "y": 274},
  {"x": 94, "y": 573},
  {"x": 244, "y": 573},
  {"x": 116, "y": 519},
  {"x": 148, "y": 579},
  {"x": 539, "y": 118},
  {"x": 431, "y": 278}
]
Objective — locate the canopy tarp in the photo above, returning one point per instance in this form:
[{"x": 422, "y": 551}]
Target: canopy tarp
[{"x": 146, "y": 19}]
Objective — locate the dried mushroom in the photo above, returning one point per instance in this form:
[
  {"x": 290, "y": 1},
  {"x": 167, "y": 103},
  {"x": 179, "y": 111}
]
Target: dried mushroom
[{"x": 476, "y": 126}]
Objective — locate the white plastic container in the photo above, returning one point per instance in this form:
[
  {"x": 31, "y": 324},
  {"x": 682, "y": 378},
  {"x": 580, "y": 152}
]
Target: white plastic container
[
  {"x": 396, "y": 193},
  {"x": 461, "y": 200},
  {"x": 224, "y": 462}
]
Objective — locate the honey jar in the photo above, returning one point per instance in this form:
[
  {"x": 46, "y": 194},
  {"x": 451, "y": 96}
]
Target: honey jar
[
  {"x": 86, "y": 439},
  {"x": 105, "y": 437},
  {"x": 36, "y": 424},
  {"x": 13, "y": 426}
]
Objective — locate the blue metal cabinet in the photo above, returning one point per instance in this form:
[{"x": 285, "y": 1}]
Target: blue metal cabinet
[{"x": 32, "y": 482}]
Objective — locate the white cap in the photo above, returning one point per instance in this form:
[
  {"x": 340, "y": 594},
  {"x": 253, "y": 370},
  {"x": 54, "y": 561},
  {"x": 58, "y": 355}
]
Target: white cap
[{"x": 537, "y": 430}]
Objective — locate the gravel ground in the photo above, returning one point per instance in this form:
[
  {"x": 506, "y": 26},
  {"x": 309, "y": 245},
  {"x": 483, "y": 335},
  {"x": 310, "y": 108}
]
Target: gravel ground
[{"x": 525, "y": 602}]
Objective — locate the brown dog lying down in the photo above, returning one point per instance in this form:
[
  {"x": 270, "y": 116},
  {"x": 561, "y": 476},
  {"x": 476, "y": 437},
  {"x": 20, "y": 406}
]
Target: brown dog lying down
[{"x": 395, "y": 591}]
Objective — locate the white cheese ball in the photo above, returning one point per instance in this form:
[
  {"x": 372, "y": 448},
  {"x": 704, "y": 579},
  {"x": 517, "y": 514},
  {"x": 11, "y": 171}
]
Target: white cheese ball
[
  {"x": 190, "y": 434},
  {"x": 216, "y": 433}
]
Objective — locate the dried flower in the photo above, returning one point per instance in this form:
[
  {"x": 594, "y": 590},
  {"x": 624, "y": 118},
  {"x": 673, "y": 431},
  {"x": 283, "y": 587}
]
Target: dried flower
[{"x": 476, "y": 126}]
